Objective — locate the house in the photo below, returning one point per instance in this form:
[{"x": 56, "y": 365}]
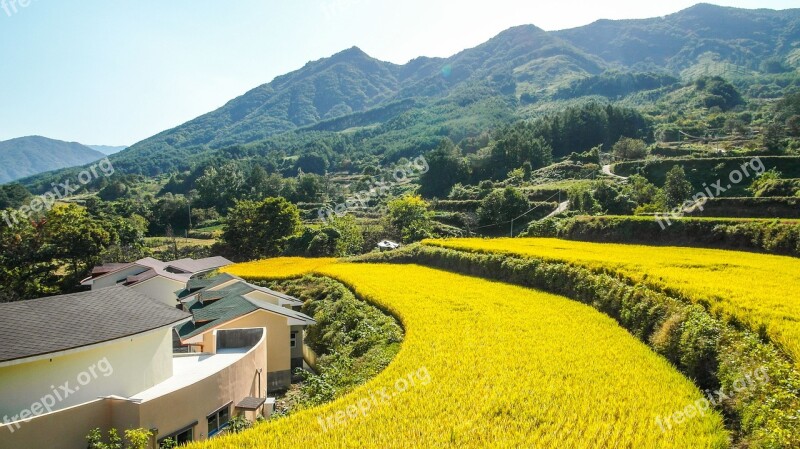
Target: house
[
  {"x": 152, "y": 277},
  {"x": 228, "y": 302},
  {"x": 104, "y": 359}
]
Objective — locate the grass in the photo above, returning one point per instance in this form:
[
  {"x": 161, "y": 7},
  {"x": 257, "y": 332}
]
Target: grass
[
  {"x": 755, "y": 289},
  {"x": 487, "y": 364},
  {"x": 164, "y": 243}
]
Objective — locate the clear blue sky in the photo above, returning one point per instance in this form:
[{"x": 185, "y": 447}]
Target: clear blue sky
[{"x": 106, "y": 72}]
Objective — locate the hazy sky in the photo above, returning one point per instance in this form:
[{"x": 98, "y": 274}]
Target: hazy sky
[{"x": 115, "y": 72}]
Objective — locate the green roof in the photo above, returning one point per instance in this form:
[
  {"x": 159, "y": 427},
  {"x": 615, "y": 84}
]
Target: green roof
[{"x": 211, "y": 308}]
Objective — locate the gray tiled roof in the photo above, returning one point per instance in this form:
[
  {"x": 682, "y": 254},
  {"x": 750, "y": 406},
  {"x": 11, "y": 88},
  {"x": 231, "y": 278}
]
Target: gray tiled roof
[
  {"x": 200, "y": 265},
  {"x": 48, "y": 325}
]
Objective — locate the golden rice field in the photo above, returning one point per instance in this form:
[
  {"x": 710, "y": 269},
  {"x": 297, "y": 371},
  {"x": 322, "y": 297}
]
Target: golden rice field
[
  {"x": 285, "y": 267},
  {"x": 757, "y": 289},
  {"x": 506, "y": 367}
]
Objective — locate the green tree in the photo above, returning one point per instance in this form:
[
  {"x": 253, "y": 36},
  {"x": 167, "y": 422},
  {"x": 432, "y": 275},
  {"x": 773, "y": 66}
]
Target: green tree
[
  {"x": 677, "y": 189},
  {"x": 446, "y": 169},
  {"x": 138, "y": 438},
  {"x": 640, "y": 190},
  {"x": 26, "y": 266},
  {"x": 502, "y": 206},
  {"x": 410, "y": 218},
  {"x": 613, "y": 200},
  {"x": 517, "y": 144},
  {"x": 75, "y": 238},
  {"x": 630, "y": 149},
  {"x": 260, "y": 229},
  {"x": 581, "y": 199},
  {"x": 221, "y": 187}
]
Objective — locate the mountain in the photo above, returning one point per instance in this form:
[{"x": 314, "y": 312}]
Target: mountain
[
  {"x": 516, "y": 74},
  {"x": 26, "y": 156},
  {"x": 106, "y": 149},
  {"x": 676, "y": 42}
]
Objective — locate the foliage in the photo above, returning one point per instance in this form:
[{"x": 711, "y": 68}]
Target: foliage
[
  {"x": 677, "y": 189},
  {"x": 517, "y": 145},
  {"x": 260, "y": 229},
  {"x": 354, "y": 341},
  {"x": 410, "y": 217},
  {"x": 456, "y": 328},
  {"x": 502, "y": 206},
  {"x": 630, "y": 149},
  {"x": 447, "y": 168},
  {"x": 238, "y": 424},
  {"x": 136, "y": 438}
]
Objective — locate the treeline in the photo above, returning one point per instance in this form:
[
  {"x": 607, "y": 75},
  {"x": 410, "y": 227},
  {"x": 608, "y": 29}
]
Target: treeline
[
  {"x": 615, "y": 85},
  {"x": 530, "y": 145},
  {"x": 769, "y": 236}
]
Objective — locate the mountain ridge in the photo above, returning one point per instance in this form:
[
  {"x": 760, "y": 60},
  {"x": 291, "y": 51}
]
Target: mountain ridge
[
  {"x": 31, "y": 155},
  {"x": 521, "y": 64}
]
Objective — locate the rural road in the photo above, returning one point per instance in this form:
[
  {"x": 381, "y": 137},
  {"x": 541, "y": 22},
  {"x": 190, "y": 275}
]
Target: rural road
[{"x": 607, "y": 171}]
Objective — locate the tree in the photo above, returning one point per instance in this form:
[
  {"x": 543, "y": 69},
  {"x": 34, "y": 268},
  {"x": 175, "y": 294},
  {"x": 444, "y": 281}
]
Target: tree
[
  {"x": 260, "y": 229},
  {"x": 75, "y": 237},
  {"x": 640, "y": 190},
  {"x": 410, "y": 218},
  {"x": 446, "y": 169},
  {"x": 502, "y": 206},
  {"x": 581, "y": 199},
  {"x": 221, "y": 187},
  {"x": 26, "y": 266},
  {"x": 677, "y": 189},
  {"x": 519, "y": 144},
  {"x": 630, "y": 149},
  {"x": 613, "y": 200}
]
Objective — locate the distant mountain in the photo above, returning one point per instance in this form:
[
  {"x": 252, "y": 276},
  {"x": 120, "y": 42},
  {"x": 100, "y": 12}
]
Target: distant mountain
[
  {"x": 504, "y": 79},
  {"x": 105, "y": 149},
  {"x": 32, "y": 155}
]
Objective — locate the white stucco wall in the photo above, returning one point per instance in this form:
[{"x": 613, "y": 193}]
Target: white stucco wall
[
  {"x": 122, "y": 367},
  {"x": 161, "y": 289},
  {"x": 112, "y": 279}
]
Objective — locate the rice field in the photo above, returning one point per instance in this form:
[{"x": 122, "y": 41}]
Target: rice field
[
  {"x": 282, "y": 268},
  {"x": 487, "y": 364},
  {"x": 760, "y": 290}
]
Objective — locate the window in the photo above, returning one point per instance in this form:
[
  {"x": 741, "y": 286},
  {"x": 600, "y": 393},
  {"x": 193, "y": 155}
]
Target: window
[
  {"x": 293, "y": 340},
  {"x": 182, "y": 436},
  {"x": 219, "y": 420}
]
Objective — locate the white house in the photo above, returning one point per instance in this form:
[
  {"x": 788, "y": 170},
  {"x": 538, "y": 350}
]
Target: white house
[
  {"x": 154, "y": 278},
  {"x": 104, "y": 359}
]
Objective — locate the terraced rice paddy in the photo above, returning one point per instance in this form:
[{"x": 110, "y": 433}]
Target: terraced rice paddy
[
  {"x": 490, "y": 365},
  {"x": 757, "y": 289}
]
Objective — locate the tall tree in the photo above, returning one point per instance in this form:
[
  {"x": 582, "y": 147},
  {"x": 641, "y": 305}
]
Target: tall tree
[
  {"x": 260, "y": 229},
  {"x": 446, "y": 169}
]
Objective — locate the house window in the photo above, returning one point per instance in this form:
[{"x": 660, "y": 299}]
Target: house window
[
  {"x": 293, "y": 340},
  {"x": 219, "y": 420},
  {"x": 183, "y": 436}
]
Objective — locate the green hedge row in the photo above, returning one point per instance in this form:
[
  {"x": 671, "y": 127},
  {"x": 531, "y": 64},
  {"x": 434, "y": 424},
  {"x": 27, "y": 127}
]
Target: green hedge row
[
  {"x": 715, "y": 354},
  {"x": 775, "y": 207},
  {"x": 769, "y": 236}
]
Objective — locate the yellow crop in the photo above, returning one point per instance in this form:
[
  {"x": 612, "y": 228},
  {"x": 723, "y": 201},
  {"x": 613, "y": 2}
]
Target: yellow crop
[
  {"x": 280, "y": 268},
  {"x": 506, "y": 367},
  {"x": 757, "y": 289}
]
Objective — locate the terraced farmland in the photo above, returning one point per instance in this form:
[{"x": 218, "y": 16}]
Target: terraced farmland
[
  {"x": 757, "y": 289},
  {"x": 487, "y": 364}
]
